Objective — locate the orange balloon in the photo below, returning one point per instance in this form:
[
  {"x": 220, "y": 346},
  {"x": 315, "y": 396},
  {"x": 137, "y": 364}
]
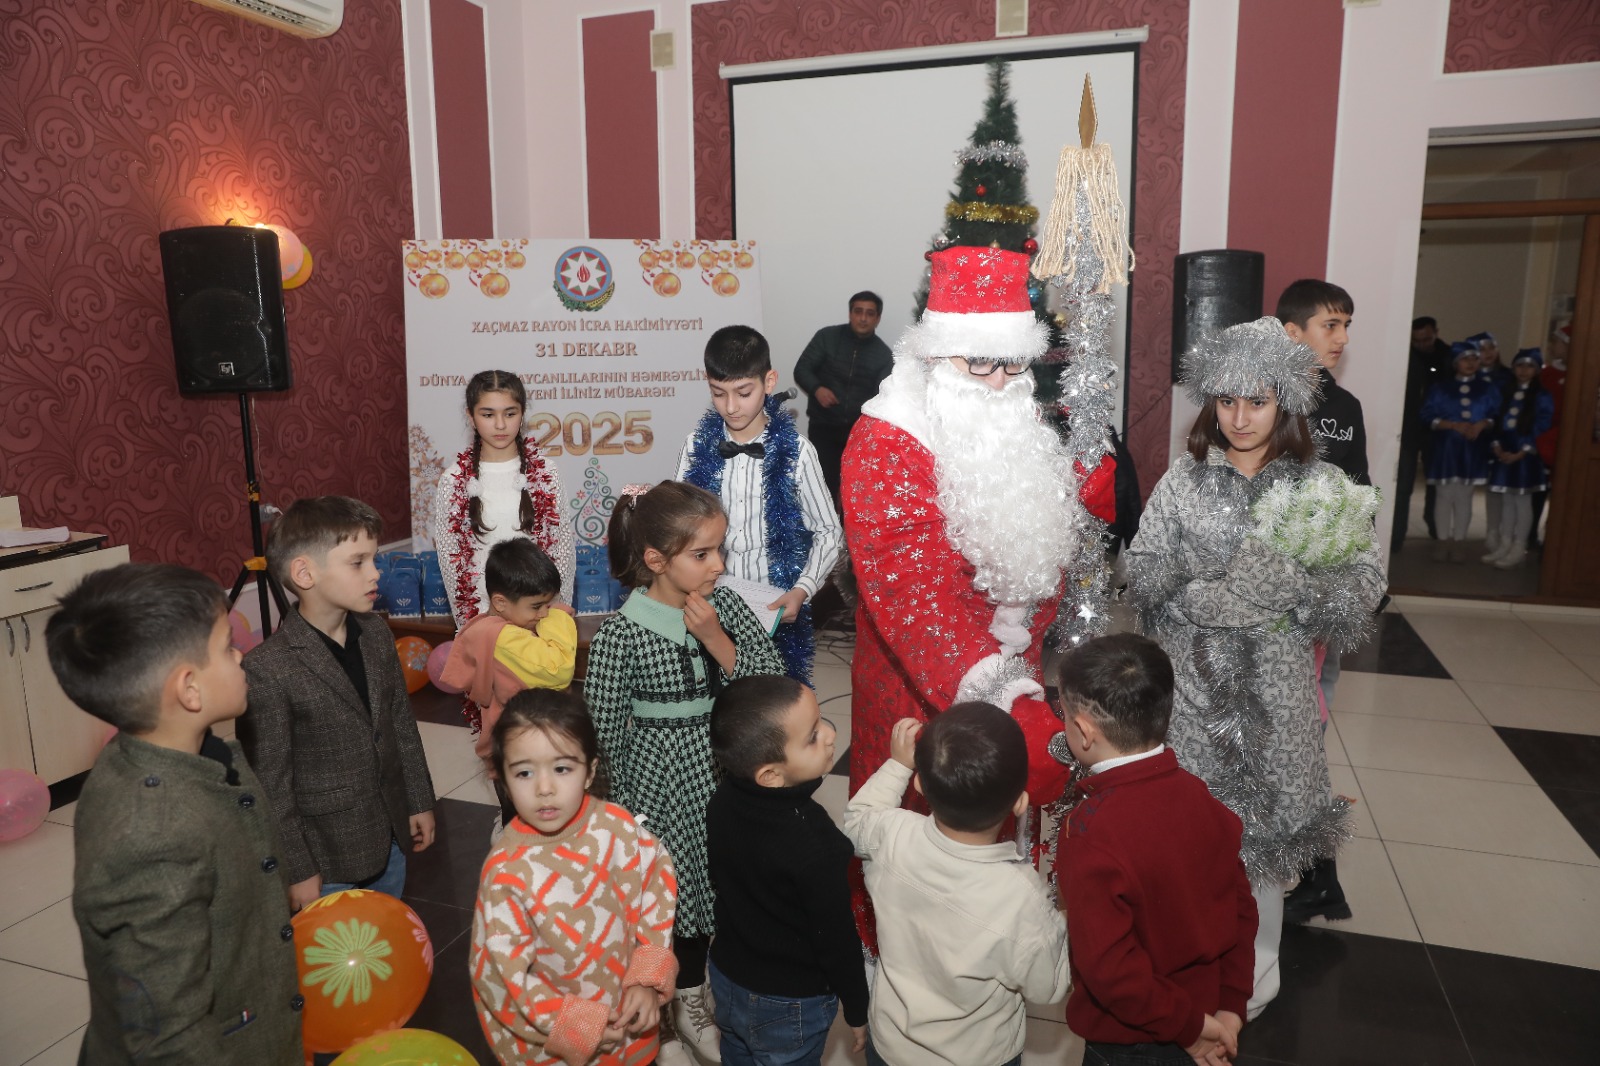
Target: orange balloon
[
  {"x": 413, "y": 652},
  {"x": 365, "y": 960},
  {"x": 302, "y": 274}
]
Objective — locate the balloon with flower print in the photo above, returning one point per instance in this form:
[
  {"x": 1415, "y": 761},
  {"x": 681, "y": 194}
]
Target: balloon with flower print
[{"x": 365, "y": 961}]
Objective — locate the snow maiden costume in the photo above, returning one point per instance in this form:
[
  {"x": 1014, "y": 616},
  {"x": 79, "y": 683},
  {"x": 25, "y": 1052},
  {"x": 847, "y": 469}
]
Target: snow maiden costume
[
  {"x": 1238, "y": 616},
  {"x": 1528, "y": 411}
]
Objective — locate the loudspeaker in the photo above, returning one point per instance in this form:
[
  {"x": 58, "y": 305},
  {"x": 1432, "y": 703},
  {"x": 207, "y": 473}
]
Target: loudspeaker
[
  {"x": 1212, "y": 291},
  {"x": 225, "y": 302}
]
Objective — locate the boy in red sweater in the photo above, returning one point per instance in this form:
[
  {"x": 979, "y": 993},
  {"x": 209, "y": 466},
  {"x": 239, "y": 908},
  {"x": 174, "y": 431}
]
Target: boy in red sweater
[{"x": 1160, "y": 921}]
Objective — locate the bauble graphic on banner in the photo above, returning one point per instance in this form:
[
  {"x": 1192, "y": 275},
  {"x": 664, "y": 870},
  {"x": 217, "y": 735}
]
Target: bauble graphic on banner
[{"x": 607, "y": 335}]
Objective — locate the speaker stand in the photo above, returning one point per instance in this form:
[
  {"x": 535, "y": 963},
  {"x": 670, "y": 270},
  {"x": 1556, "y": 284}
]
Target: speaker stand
[{"x": 257, "y": 564}]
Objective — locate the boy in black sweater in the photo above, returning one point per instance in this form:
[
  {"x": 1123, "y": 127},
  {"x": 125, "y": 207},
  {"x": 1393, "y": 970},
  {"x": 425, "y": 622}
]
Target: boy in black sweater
[{"x": 786, "y": 939}]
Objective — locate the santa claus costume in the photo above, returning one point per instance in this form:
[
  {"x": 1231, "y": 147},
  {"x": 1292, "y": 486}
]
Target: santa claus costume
[{"x": 961, "y": 515}]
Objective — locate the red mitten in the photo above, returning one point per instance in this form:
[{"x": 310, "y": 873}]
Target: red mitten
[
  {"x": 1047, "y": 779},
  {"x": 1098, "y": 489}
]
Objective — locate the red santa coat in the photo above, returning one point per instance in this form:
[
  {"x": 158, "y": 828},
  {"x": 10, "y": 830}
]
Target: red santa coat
[{"x": 921, "y": 626}]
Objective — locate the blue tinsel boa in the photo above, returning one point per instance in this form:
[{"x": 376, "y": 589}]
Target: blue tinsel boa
[{"x": 788, "y": 539}]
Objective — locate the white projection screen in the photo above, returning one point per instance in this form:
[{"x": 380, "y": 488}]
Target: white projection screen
[{"x": 842, "y": 176}]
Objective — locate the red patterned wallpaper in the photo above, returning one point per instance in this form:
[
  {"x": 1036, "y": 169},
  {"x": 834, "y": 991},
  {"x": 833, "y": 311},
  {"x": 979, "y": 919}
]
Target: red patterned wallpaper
[
  {"x": 752, "y": 31},
  {"x": 122, "y": 118},
  {"x": 1507, "y": 34}
]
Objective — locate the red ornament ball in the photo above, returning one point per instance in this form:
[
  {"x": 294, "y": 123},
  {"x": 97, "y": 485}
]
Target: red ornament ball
[
  {"x": 982, "y": 190},
  {"x": 1030, "y": 246}
]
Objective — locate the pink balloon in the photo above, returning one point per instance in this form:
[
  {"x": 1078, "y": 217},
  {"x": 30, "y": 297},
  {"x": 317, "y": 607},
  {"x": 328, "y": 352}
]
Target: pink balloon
[
  {"x": 24, "y": 801},
  {"x": 436, "y": 661}
]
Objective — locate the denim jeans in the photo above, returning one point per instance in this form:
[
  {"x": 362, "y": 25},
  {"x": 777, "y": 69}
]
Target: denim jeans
[
  {"x": 762, "y": 1030},
  {"x": 1135, "y": 1055},
  {"x": 875, "y": 1059},
  {"x": 392, "y": 880}
]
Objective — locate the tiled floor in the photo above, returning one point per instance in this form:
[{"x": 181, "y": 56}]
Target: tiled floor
[{"x": 1469, "y": 738}]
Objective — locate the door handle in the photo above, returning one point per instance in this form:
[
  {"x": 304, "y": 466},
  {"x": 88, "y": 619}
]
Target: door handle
[
  {"x": 27, "y": 637},
  {"x": 11, "y": 635},
  {"x": 36, "y": 588}
]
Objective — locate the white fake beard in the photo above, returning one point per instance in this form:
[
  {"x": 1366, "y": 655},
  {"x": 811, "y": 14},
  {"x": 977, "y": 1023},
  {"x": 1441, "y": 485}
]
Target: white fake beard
[{"x": 1006, "y": 485}]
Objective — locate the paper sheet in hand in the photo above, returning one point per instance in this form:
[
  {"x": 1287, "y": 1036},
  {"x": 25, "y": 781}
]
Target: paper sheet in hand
[{"x": 756, "y": 595}]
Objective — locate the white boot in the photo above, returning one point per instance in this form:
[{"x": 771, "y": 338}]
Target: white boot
[
  {"x": 694, "y": 1017},
  {"x": 1510, "y": 560},
  {"x": 673, "y": 1053},
  {"x": 1492, "y": 545}
]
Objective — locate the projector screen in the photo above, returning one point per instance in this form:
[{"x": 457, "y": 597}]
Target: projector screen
[{"x": 841, "y": 177}]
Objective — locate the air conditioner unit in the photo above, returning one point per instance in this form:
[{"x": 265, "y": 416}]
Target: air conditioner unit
[{"x": 303, "y": 18}]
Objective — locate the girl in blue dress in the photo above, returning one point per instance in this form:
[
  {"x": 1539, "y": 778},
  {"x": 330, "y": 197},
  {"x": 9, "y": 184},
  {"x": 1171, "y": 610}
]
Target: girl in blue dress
[
  {"x": 1516, "y": 470},
  {"x": 1460, "y": 410}
]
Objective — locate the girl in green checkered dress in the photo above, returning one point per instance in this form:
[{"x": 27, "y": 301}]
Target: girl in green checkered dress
[{"x": 654, "y": 669}]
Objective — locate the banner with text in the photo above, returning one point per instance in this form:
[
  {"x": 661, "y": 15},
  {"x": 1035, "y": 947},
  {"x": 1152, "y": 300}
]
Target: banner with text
[{"x": 607, "y": 335}]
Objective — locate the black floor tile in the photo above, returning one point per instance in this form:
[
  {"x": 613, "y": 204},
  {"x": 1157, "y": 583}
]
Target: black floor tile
[
  {"x": 842, "y": 767},
  {"x": 448, "y": 1007},
  {"x": 1355, "y": 1000},
  {"x": 1519, "y": 1012},
  {"x": 1582, "y": 809},
  {"x": 440, "y": 708},
  {"x": 448, "y": 871},
  {"x": 1396, "y": 649},
  {"x": 1556, "y": 760}
]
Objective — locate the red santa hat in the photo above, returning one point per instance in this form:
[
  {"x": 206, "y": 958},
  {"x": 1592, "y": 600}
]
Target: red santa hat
[{"x": 978, "y": 308}]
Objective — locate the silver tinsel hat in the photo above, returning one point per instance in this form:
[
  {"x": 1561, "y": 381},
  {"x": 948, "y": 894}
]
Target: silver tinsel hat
[{"x": 1248, "y": 359}]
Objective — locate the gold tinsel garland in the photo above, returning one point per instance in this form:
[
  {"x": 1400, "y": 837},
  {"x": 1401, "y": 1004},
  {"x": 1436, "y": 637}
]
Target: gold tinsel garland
[{"x": 974, "y": 212}]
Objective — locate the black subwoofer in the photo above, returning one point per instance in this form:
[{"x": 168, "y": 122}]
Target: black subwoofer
[
  {"x": 225, "y": 302},
  {"x": 1211, "y": 291}
]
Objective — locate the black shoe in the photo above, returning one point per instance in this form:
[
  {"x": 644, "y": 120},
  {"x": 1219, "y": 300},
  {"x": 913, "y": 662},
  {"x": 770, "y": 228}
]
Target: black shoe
[{"x": 1318, "y": 895}]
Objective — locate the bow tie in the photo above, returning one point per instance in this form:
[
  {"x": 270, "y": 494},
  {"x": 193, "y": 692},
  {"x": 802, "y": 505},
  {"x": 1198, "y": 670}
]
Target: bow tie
[{"x": 728, "y": 449}]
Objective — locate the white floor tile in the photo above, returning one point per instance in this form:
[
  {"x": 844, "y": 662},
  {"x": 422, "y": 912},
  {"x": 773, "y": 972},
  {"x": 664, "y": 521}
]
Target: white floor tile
[
  {"x": 834, "y": 794},
  {"x": 1529, "y": 908},
  {"x": 64, "y": 815},
  {"x": 63, "y": 1052},
  {"x": 835, "y": 707},
  {"x": 831, "y": 677},
  {"x": 477, "y": 789},
  {"x": 1541, "y": 666},
  {"x": 1580, "y": 638},
  {"x": 1345, "y": 784},
  {"x": 47, "y": 940},
  {"x": 35, "y": 872},
  {"x": 1373, "y": 891},
  {"x": 1404, "y": 697},
  {"x": 1589, "y": 664},
  {"x": 451, "y": 761},
  {"x": 1488, "y": 816},
  {"x": 1454, "y": 749},
  {"x": 1521, "y": 707},
  {"x": 40, "y": 1009}
]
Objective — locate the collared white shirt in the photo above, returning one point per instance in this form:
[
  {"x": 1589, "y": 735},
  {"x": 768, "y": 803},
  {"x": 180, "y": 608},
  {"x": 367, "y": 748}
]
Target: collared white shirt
[
  {"x": 744, "y": 500},
  {"x": 1123, "y": 760}
]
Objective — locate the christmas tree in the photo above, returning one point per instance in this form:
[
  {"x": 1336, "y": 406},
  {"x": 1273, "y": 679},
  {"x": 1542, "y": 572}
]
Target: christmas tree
[{"x": 989, "y": 206}]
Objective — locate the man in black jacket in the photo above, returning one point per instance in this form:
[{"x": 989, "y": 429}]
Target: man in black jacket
[
  {"x": 1428, "y": 361},
  {"x": 841, "y": 369}
]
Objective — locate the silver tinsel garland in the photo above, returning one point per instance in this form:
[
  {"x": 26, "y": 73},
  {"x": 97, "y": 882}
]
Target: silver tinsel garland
[
  {"x": 1089, "y": 392},
  {"x": 994, "y": 152}
]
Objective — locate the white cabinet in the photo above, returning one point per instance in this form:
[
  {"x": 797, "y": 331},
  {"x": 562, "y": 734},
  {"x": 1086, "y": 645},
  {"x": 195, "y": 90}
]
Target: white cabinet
[{"x": 40, "y": 729}]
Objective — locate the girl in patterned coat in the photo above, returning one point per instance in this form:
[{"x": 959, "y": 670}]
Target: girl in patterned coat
[
  {"x": 571, "y": 937},
  {"x": 1239, "y": 618},
  {"x": 654, "y": 669}
]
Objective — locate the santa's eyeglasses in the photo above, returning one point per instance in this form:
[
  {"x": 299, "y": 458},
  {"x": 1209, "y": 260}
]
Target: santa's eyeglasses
[{"x": 983, "y": 368}]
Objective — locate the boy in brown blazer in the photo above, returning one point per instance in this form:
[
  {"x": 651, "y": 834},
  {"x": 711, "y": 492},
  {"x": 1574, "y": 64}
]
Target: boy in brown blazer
[
  {"x": 330, "y": 729},
  {"x": 178, "y": 889}
]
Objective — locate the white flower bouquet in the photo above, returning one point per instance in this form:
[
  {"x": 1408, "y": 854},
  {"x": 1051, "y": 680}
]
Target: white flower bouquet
[{"x": 1323, "y": 521}]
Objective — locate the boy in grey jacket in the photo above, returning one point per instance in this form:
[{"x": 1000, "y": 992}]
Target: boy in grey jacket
[{"x": 178, "y": 894}]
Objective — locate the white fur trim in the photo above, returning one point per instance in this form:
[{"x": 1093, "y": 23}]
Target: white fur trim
[
  {"x": 1004, "y": 336},
  {"x": 1010, "y": 628},
  {"x": 901, "y": 400},
  {"x": 998, "y": 679}
]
